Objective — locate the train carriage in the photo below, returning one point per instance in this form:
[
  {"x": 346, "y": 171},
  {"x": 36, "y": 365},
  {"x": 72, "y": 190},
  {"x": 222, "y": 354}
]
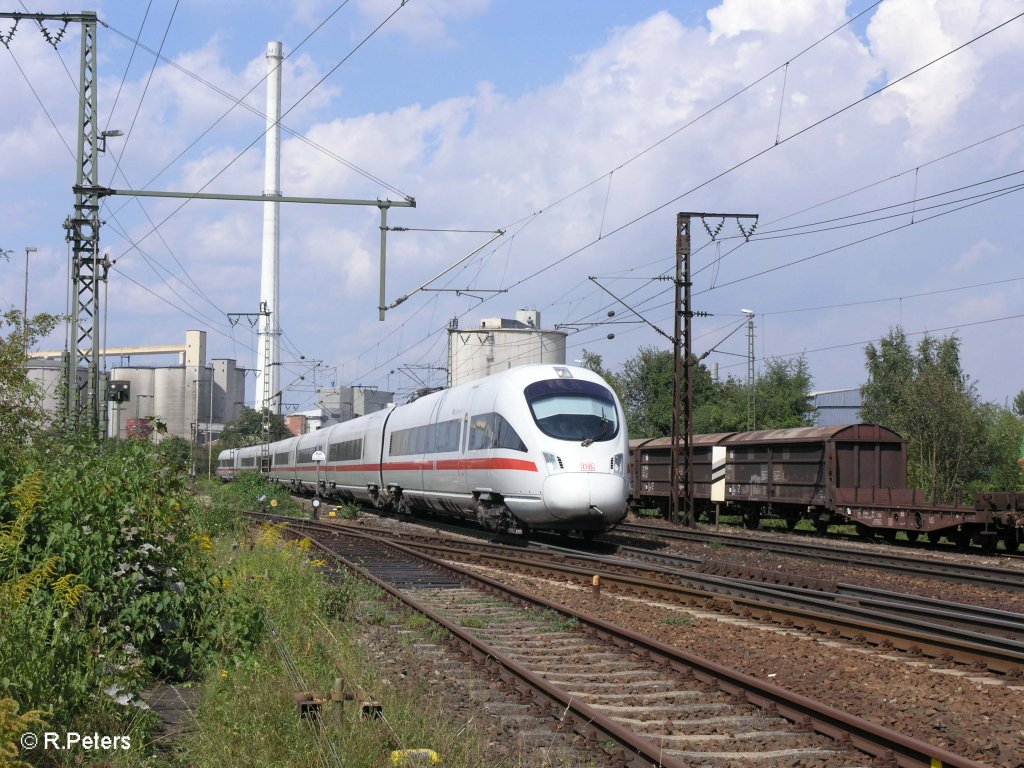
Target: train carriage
[
  {"x": 533, "y": 447},
  {"x": 651, "y": 466},
  {"x": 787, "y": 473},
  {"x": 794, "y": 473}
]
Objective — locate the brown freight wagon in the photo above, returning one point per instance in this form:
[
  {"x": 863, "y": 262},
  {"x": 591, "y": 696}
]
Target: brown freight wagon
[
  {"x": 650, "y": 463},
  {"x": 794, "y": 473},
  {"x": 787, "y": 473}
]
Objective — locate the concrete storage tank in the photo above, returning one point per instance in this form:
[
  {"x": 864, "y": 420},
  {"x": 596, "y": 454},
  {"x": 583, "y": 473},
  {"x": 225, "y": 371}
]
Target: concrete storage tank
[
  {"x": 499, "y": 344},
  {"x": 140, "y": 402},
  {"x": 170, "y": 401}
]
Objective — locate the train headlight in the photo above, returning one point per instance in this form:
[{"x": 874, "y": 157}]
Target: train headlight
[
  {"x": 616, "y": 465},
  {"x": 552, "y": 461}
]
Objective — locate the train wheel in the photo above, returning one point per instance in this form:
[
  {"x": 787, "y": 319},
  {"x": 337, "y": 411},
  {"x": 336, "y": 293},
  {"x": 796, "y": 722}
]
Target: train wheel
[
  {"x": 752, "y": 518},
  {"x": 933, "y": 537},
  {"x": 888, "y": 535},
  {"x": 821, "y": 526},
  {"x": 1011, "y": 540},
  {"x": 962, "y": 540},
  {"x": 791, "y": 523},
  {"x": 987, "y": 542},
  {"x": 864, "y": 532},
  {"x": 913, "y": 535}
]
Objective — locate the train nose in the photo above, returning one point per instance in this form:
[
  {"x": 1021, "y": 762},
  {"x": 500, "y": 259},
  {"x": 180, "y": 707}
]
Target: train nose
[{"x": 605, "y": 494}]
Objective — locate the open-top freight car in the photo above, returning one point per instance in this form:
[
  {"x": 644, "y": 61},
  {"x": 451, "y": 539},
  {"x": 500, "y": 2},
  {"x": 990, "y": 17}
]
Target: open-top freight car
[{"x": 853, "y": 473}]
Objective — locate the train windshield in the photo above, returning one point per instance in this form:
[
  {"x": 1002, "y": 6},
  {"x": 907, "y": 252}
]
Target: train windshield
[{"x": 570, "y": 409}]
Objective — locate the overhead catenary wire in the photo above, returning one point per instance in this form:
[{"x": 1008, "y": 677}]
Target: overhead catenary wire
[
  {"x": 240, "y": 102},
  {"x": 764, "y": 233}
]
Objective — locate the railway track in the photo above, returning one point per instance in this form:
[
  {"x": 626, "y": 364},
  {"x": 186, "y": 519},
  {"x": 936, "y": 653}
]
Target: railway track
[
  {"x": 975, "y": 636},
  {"x": 660, "y": 705},
  {"x": 969, "y": 635},
  {"x": 981, "y": 575}
]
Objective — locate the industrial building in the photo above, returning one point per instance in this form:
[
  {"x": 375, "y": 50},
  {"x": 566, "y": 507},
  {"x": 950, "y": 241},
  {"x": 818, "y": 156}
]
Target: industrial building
[
  {"x": 334, "y": 404},
  {"x": 499, "y": 344},
  {"x": 836, "y": 406},
  {"x": 193, "y": 399}
]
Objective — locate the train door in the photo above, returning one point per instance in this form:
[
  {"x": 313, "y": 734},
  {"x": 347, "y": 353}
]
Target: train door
[
  {"x": 446, "y": 477},
  {"x": 476, "y": 442}
]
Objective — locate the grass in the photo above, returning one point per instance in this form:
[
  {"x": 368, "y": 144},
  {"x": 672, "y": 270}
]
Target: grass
[
  {"x": 553, "y": 621},
  {"x": 248, "y": 713}
]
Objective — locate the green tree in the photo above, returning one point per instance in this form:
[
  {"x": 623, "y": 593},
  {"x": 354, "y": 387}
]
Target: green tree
[
  {"x": 782, "y": 399},
  {"x": 21, "y": 414},
  {"x": 645, "y": 384},
  {"x": 925, "y": 396},
  {"x": 1018, "y": 403},
  {"x": 593, "y": 362},
  {"x": 1003, "y": 469},
  {"x": 723, "y": 409},
  {"x": 248, "y": 430}
]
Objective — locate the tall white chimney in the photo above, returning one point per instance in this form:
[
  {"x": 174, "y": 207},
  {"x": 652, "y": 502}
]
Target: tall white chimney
[{"x": 267, "y": 368}]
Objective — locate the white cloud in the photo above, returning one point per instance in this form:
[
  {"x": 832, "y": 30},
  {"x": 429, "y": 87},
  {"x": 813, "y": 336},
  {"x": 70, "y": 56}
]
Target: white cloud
[
  {"x": 776, "y": 17},
  {"x": 907, "y": 34},
  {"x": 480, "y": 159},
  {"x": 423, "y": 20}
]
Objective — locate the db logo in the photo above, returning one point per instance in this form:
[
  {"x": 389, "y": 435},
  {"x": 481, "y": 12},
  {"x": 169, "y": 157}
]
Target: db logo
[{"x": 586, "y": 466}]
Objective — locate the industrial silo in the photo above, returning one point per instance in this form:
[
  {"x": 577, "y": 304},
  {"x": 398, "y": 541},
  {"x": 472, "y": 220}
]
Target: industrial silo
[
  {"x": 501, "y": 343},
  {"x": 171, "y": 401}
]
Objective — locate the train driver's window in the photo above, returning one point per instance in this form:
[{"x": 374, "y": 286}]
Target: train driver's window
[{"x": 573, "y": 410}]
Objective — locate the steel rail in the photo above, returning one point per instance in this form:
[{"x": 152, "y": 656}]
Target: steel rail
[
  {"x": 871, "y": 738},
  {"x": 998, "y": 654},
  {"x": 990, "y": 576},
  {"x": 584, "y": 720}
]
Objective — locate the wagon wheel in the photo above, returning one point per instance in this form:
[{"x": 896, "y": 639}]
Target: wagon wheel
[
  {"x": 821, "y": 526},
  {"x": 1011, "y": 540},
  {"x": 913, "y": 535},
  {"x": 987, "y": 542},
  {"x": 864, "y": 531},
  {"x": 934, "y": 536},
  {"x": 752, "y": 518},
  {"x": 962, "y": 540},
  {"x": 791, "y": 523},
  {"x": 888, "y": 535}
]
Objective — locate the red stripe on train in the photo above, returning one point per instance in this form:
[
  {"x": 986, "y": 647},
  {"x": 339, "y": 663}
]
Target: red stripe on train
[{"x": 521, "y": 465}]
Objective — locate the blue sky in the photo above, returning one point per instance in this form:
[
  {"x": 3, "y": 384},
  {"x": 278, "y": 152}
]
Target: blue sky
[{"x": 573, "y": 127}]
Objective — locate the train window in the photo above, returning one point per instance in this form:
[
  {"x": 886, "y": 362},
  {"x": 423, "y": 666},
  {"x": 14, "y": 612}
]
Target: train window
[
  {"x": 305, "y": 456},
  {"x": 490, "y": 430},
  {"x": 280, "y": 459},
  {"x": 430, "y": 438},
  {"x": 446, "y": 437},
  {"x": 248, "y": 462},
  {"x": 348, "y": 450},
  {"x": 571, "y": 409}
]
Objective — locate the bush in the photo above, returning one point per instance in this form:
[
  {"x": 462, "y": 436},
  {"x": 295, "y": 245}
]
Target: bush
[{"x": 105, "y": 582}]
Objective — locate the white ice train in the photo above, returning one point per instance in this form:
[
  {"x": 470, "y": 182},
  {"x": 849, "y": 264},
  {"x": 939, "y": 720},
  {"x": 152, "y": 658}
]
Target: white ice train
[{"x": 536, "y": 447}]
